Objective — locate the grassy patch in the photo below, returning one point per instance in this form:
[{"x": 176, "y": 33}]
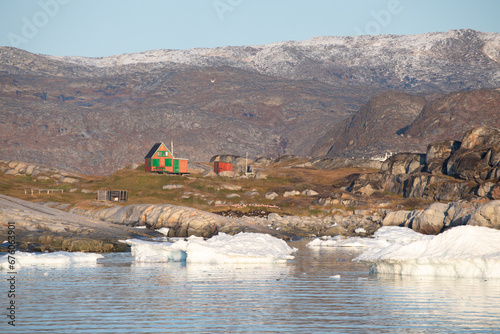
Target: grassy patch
[{"x": 196, "y": 191}]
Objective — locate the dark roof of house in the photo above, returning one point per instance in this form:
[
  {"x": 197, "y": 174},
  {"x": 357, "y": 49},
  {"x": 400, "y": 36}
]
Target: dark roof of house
[{"x": 153, "y": 150}]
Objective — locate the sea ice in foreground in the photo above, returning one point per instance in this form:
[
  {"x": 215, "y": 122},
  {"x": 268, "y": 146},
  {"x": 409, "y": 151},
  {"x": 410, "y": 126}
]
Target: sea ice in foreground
[
  {"x": 149, "y": 251},
  {"x": 222, "y": 248},
  {"x": 384, "y": 237},
  {"x": 50, "y": 259},
  {"x": 463, "y": 251}
]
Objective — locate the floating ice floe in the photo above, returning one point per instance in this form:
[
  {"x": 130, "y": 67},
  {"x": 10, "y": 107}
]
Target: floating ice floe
[
  {"x": 23, "y": 259},
  {"x": 463, "y": 251},
  {"x": 385, "y": 236},
  {"x": 149, "y": 251},
  {"x": 223, "y": 248},
  {"x": 164, "y": 230}
]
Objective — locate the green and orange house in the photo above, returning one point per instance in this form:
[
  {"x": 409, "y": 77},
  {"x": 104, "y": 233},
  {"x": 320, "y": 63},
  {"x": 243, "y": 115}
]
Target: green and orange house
[{"x": 160, "y": 160}]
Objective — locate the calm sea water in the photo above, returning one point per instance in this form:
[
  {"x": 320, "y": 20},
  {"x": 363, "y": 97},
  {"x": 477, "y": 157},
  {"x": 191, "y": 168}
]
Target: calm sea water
[{"x": 303, "y": 296}]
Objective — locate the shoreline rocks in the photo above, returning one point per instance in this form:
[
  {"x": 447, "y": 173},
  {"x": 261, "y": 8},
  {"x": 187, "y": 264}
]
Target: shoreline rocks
[
  {"x": 438, "y": 217},
  {"x": 40, "y": 173},
  {"x": 44, "y": 228}
]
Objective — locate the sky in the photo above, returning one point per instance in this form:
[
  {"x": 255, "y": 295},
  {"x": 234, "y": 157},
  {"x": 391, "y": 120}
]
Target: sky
[{"x": 98, "y": 28}]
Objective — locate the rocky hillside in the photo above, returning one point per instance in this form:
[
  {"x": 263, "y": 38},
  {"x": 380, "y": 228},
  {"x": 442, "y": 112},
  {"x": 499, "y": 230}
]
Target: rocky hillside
[
  {"x": 452, "y": 115},
  {"x": 374, "y": 129},
  {"x": 95, "y": 125},
  {"x": 449, "y": 61},
  {"x": 400, "y": 122},
  {"x": 449, "y": 170},
  {"x": 94, "y": 115}
]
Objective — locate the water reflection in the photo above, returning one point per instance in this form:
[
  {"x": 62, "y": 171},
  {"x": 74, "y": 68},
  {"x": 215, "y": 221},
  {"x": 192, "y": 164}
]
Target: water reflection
[{"x": 119, "y": 295}]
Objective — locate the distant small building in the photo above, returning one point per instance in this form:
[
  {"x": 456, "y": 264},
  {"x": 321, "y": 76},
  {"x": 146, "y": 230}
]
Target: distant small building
[
  {"x": 112, "y": 195},
  {"x": 220, "y": 166},
  {"x": 239, "y": 165},
  {"x": 160, "y": 160}
]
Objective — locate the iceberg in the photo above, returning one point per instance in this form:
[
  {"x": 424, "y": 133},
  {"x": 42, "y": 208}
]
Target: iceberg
[
  {"x": 463, "y": 251},
  {"x": 149, "y": 251},
  {"x": 49, "y": 259},
  {"x": 220, "y": 249},
  {"x": 384, "y": 237}
]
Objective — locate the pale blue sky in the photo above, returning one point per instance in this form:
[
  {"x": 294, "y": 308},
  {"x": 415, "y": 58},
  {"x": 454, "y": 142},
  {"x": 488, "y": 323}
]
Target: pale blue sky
[{"x": 107, "y": 27}]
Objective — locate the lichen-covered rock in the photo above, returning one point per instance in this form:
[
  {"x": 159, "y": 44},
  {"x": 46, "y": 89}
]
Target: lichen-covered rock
[
  {"x": 271, "y": 195},
  {"x": 487, "y": 215},
  {"x": 291, "y": 193}
]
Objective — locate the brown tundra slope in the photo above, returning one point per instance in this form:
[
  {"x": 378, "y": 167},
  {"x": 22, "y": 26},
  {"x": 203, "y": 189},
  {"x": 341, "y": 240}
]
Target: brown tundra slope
[{"x": 398, "y": 122}]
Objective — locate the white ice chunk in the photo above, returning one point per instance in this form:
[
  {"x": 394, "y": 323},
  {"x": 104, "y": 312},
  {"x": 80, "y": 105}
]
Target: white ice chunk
[
  {"x": 241, "y": 248},
  {"x": 48, "y": 259},
  {"x": 164, "y": 230},
  {"x": 149, "y": 251},
  {"x": 463, "y": 251},
  {"x": 385, "y": 236},
  {"x": 223, "y": 248}
]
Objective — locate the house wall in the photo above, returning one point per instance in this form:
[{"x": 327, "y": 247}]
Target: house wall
[
  {"x": 222, "y": 166},
  {"x": 183, "y": 166},
  {"x": 163, "y": 161}
]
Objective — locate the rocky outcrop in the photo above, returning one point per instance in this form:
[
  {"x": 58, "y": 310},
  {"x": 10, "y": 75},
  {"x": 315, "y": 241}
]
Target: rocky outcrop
[
  {"x": 438, "y": 217},
  {"x": 437, "y": 155},
  {"x": 345, "y": 223},
  {"x": 478, "y": 157},
  {"x": 180, "y": 221},
  {"x": 37, "y": 172},
  {"x": 42, "y": 228},
  {"x": 404, "y": 163},
  {"x": 449, "y": 170}
]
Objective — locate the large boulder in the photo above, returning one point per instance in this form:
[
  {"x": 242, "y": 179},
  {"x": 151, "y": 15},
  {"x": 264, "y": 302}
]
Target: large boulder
[
  {"x": 431, "y": 220},
  {"x": 459, "y": 213},
  {"x": 397, "y": 218},
  {"x": 481, "y": 136},
  {"x": 487, "y": 215}
]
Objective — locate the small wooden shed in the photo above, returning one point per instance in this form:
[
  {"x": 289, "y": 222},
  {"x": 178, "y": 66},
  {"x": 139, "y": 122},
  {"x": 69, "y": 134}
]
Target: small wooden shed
[
  {"x": 160, "y": 160},
  {"x": 220, "y": 166}
]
